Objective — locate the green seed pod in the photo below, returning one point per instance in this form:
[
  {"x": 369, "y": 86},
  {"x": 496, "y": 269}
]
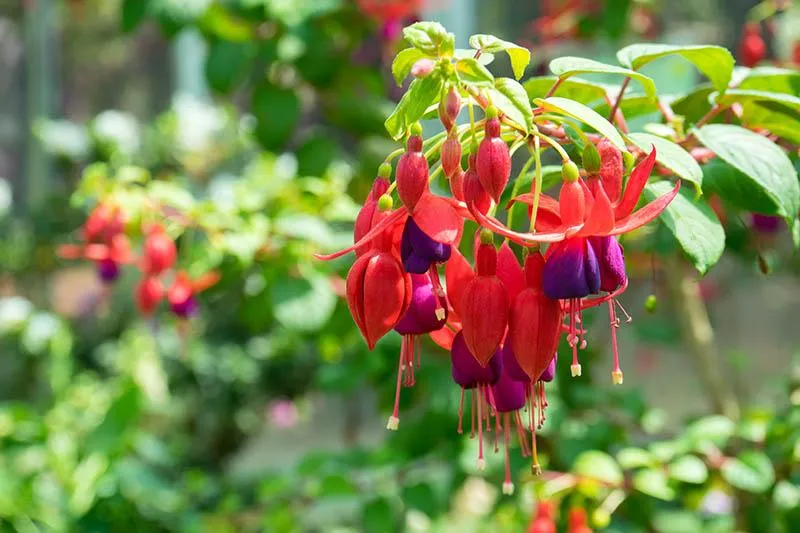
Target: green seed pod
[
  {"x": 491, "y": 111},
  {"x": 416, "y": 129},
  {"x": 628, "y": 160},
  {"x": 385, "y": 203},
  {"x": 570, "y": 171},
  {"x": 385, "y": 170},
  {"x": 591, "y": 159},
  {"x": 651, "y": 304},
  {"x": 487, "y": 237}
]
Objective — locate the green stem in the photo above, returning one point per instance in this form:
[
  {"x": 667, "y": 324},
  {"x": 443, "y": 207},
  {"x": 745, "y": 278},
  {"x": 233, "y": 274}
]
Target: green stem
[
  {"x": 537, "y": 191},
  {"x": 558, "y": 148}
]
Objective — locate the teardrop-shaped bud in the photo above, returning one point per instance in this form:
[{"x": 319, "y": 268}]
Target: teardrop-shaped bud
[
  {"x": 510, "y": 272},
  {"x": 104, "y": 223},
  {"x": 753, "y": 49},
  {"x": 451, "y": 156},
  {"x": 149, "y": 293},
  {"x": 159, "y": 252},
  {"x": 493, "y": 162},
  {"x": 181, "y": 296},
  {"x": 572, "y": 203},
  {"x": 465, "y": 368},
  {"x": 534, "y": 323},
  {"x": 484, "y": 307},
  {"x": 457, "y": 185},
  {"x": 474, "y": 193},
  {"x": 449, "y": 108},
  {"x": 422, "y": 68},
  {"x": 612, "y": 168},
  {"x": 378, "y": 294},
  {"x": 412, "y": 173}
]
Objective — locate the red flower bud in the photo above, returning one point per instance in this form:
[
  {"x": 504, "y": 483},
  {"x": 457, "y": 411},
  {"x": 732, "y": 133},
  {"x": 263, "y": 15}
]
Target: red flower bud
[
  {"x": 611, "y": 169},
  {"x": 103, "y": 224},
  {"x": 422, "y": 68},
  {"x": 449, "y": 108},
  {"x": 412, "y": 173},
  {"x": 752, "y": 49},
  {"x": 378, "y": 294},
  {"x": 493, "y": 162},
  {"x": 451, "y": 156},
  {"x": 474, "y": 193},
  {"x": 534, "y": 323},
  {"x": 149, "y": 293},
  {"x": 364, "y": 220},
  {"x": 159, "y": 251},
  {"x": 484, "y": 306},
  {"x": 457, "y": 185}
]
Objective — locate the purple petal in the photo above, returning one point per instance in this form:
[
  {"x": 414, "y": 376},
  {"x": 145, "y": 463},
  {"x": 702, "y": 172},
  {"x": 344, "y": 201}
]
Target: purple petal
[
  {"x": 466, "y": 370},
  {"x": 108, "y": 271},
  {"x": 509, "y": 394},
  {"x": 511, "y": 366},
  {"x": 549, "y": 372},
  {"x": 416, "y": 264},
  {"x": 571, "y": 270},
  {"x": 765, "y": 223},
  {"x": 612, "y": 262},
  {"x": 421, "y": 244},
  {"x": 186, "y": 308},
  {"x": 421, "y": 315}
]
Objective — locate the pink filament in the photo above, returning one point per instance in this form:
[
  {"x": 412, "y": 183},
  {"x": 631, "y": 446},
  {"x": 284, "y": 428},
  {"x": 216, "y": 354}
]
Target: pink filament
[
  {"x": 396, "y": 412},
  {"x": 612, "y": 317},
  {"x": 507, "y": 439},
  {"x": 461, "y": 412}
]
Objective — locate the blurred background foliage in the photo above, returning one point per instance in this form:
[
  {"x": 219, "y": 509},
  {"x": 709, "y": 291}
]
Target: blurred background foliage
[{"x": 260, "y": 121}]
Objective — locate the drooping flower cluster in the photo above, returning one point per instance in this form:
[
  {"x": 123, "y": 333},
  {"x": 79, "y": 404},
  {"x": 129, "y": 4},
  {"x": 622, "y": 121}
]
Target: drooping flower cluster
[
  {"x": 105, "y": 243},
  {"x": 501, "y": 319}
]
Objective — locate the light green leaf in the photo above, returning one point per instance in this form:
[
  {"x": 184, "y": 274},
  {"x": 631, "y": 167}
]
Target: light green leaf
[
  {"x": 671, "y": 156},
  {"x": 677, "y": 522},
  {"x": 566, "y": 67},
  {"x": 633, "y": 105},
  {"x": 599, "y": 466},
  {"x": 520, "y": 56},
  {"x": 752, "y": 471},
  {"x": 772, "y": 79},
  {"x": 742, "y": 96},
  {"x": 421, "y": 94},
  {"x": 759, "y": 159},
  {"x": 431, "y": 38},
  {"x": 472, "y": 72},
  {"x": 762, "y": 115},
  {"x": 511, "y": 99},
  {"x": 401, "y": 66},
  {"x": 630, "y": 458},
  {"x": 786, "y": 496},
  {"x": 584, "y": 114},
  {"x": 714, "y": 429},
  {"x": 577, "y": 89},
  {"x": 689, "y": 469},
  {"x": 303, "y": 304},
  {"x": 713, "y": 61},
  {"x": 653, "y": 482},
  {"x": 693, "y": 224},
  {"x": 463, "y": 53}
]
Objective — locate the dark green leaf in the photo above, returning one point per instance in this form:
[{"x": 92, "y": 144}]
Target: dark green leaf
[
  {"x": 792, "y": 103},
  {"x": 693, "y": 224},
  {"x": 520, "y": 56},
  {"x": 277, "y": 111},
  {"x": 713, "y": 61},
  {"x": 566, "y": 67},
  {"x": 510, "y": 98},
  {"x": 336, "y": 486},
  {"x": 431, "y": 38},
  {"x": 689, "y": 469},
  {"x": 694, "y": 105},
  {"x": 671, "y": 156},
  {"x": 784, "y": 125},
  {"x": 378, "y": 517},
  {"x": 653, "y": 482},
  {"x": 133, "y": 12},
  {"x": 584, "y": 114},
  {"x": 473, "y": 73},
  {"x": 633, "y": 105},
  {"x": 401, "y": 66},
  {"x": 228, "y": 64},
  {"x": 759, "y": 159},
  {"x": 112, "y": 433},
  {"x": 751, "y": 471},
  {"x": 737, "y": 189}
]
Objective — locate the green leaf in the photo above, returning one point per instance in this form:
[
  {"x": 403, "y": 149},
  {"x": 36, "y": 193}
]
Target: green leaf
[
  {"x": 786, "y": 496},
  {"x": 576, "y": 89},
  {"x": 484, "y": 59},
  {"x": 737, "y": 189},
  {"x": 133, "y": 13},
  {"x": 112, "y": 433},
  {"x": 689, "y": 469},
  {"x": 520, "y": 56},
  {"x": 472, "y": 72},
  {"x": 421, "y": 94},
  {"x": 653, "y": 482},
  {"x": 584, "y": 114},
  {"x": 715, "y": 429},
  {"x": 785, "y": 125},
  {"x": 511, "y": 99},
  {"x": 694, "y": 105},
  {"x": 228, "y": 64},
  {"x": 751, "y": 471},
  {"x": 633, "y": 105},
  {"x": 671, "y": 156},
  {"x": 401, "y": 66},
  {"x": 693, "y": 224},
  {"x": 378, "y": 516},
  {"x": 431, "y": 38},
  {"x": 599, "y": 466},
  {"x": 336, "y": 485},
  {"x": 566, "y": 67},
  {"x": 772, "y": 79},
  {"x": 304, "y": 304},
  {"x": 761, "y": 160},
  {"x": 732, "y": 96},
  {"x": 713, "y": 61},
  {"x": 277, "y": 111},
  {"x": 630, "y": 458},
  {"x": 677, "y": 522}
]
